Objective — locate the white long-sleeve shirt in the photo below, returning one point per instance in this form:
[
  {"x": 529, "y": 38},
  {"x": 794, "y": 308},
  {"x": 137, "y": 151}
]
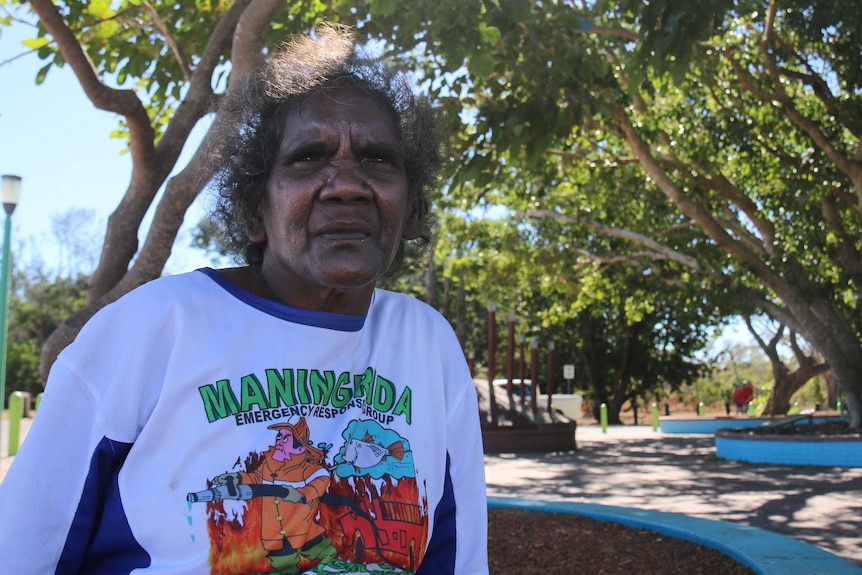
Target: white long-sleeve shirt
[{"x": 189, "y": 378}]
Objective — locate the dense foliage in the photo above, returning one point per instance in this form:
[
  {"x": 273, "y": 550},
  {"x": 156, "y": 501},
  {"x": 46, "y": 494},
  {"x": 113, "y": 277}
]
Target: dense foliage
[{"x": 657, "y": 166}]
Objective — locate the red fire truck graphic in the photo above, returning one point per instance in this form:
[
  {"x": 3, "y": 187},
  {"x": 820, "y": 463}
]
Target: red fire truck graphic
[{"x": 391, "y": 533}]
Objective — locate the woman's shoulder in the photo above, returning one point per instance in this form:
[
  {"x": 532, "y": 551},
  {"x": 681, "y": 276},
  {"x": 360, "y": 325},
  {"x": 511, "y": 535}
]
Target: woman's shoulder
[
  {"x": 165, "y": 291},
  {"x": 151, "y": 305},
  {"x": 396, "y": 306},
  {"x": 388, "y": 300}
]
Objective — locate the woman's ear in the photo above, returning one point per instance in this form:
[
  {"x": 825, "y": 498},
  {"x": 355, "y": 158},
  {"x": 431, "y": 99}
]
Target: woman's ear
[
  {"x": 258, "y": 234},
  {"x": 415, "y": 217},
  {"x": 257, "y": 231}
]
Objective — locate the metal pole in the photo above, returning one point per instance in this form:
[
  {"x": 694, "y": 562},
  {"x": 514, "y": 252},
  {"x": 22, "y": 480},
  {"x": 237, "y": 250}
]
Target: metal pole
[
  {"x": 4, "y": 310},
  {"x": 521, "y": 372},
  {"x": 510, "y": 357},
  {"x": 492, "y": 360},
  {"x": 16, "y": 412},
  {"x": 534, "y": 374},
  {"x": 550, "y": 383},
  {"x": 9, "y": 193},
  {"x": 603, "y": 417}
]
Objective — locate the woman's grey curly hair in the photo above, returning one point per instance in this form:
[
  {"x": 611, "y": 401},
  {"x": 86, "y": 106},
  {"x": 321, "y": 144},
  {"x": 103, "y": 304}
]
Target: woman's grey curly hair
[{"x": 252, "y": 123}]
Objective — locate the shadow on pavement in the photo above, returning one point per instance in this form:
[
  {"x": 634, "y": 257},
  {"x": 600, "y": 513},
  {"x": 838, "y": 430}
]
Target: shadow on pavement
[{"x": 681, "y": 474}]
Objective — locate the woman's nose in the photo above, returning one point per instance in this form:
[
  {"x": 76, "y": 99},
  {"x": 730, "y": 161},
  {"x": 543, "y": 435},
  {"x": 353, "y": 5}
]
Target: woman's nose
[{"x": 345, "y": 181}]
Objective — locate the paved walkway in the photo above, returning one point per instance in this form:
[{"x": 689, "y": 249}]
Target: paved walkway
[{"x": 633, "y": 466}]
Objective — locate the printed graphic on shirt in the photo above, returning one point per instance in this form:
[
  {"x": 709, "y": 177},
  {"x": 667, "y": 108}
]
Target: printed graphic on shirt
[{"x": 302, "y": 504}]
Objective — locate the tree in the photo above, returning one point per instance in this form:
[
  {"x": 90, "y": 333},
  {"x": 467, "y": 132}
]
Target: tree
[
  {"x": 786, "y": 382},
  {"x": 769, "y": 204},
  {"x": 629, "y": 335},
  {"x": 37, "y": 305},
  {"x": 43, "y": 295},
  {"x": 737, "y": 118},
  {"x": 157, "y": 65},
  {"x": 729, "y": 127}
]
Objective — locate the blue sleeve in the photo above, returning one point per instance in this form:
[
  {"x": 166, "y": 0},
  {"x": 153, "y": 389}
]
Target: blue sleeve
[
  {"x": 440, "y": 555},
  {"x": 100, "y": 540}
]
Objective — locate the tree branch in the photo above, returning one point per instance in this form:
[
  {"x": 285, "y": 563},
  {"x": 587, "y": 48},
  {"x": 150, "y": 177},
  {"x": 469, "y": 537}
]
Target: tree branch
[
  {"x": 121, "y": 239},
  {"x": 123, "y": 102},
  {"x": 113, "y": 279},
  {"x": 248, "y": 23},
  {"x": 162, "y": 27},
  {"x": 660, "y": 251},
  {"x": 846, "y": 251}
]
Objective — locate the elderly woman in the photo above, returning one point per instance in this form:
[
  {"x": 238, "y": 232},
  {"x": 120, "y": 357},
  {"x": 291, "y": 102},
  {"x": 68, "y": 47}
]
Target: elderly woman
[{"x": 284, "y": 416}]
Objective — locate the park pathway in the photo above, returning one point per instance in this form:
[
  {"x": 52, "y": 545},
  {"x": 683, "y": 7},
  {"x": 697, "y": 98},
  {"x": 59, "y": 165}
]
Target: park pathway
[{"x": 634, "y": 466}]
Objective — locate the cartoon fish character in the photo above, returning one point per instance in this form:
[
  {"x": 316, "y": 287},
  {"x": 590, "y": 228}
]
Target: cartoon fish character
[{"x": 365, "y": 453}]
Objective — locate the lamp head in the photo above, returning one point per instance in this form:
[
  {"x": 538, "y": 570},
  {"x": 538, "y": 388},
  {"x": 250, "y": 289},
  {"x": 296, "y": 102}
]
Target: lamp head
[{"x": 10, "y": 192}]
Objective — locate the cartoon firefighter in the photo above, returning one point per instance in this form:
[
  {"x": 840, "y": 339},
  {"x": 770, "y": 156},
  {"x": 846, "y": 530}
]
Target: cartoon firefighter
[{"x": 289, "y": 530}]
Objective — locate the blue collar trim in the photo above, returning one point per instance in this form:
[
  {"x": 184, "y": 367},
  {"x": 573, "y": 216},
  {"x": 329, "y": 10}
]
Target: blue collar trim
[{"x": 308, "y": 317}]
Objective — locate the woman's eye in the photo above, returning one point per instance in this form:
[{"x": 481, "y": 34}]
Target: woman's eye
[
  {"x": 380, "y": 160},
  {"x": 307, "y": 154},
  {"x": 306, "y": 158}
]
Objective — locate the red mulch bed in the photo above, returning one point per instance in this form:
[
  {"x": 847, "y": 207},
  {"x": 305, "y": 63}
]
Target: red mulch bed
[{"x": 526, "y": 542}]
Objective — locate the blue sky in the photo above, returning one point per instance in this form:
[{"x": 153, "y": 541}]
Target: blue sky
[{"x": 53, "y": 137}]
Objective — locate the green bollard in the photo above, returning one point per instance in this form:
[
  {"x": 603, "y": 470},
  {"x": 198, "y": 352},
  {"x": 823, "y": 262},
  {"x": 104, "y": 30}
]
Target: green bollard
[
  {"x": 700, "y": 409},
  {"x": 16, "y": 412},
  {"x": 654, "y": 417},
  {"x": 38, "y": 400},
  {"x": 840, "y": 409},
  {"x": 603, "y": 415},
  {"x": 751, "y": 408}
]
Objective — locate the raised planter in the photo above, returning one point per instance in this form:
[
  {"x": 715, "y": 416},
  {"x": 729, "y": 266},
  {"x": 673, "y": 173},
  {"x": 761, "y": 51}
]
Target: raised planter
[
  {"x": 710, "y": 425},
  {"x": 539, "y": 439},
  {"x": 825, "y": 451},
  {"x": 766, "y": 553},
  {"x": 707, "y": 425}
]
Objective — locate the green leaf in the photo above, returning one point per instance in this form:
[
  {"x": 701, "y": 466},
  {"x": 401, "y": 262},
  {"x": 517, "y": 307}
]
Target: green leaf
[
  {"x": 384, "y": 7},
  {"x": 106, "y": 30},
  {"x": 490, "y": 34},
  {"x": 36, "y": 43},
  {"x": 43, "y": 72},
  {"x": 482, "y": 64},
  {"x": 100, "y": 8}
]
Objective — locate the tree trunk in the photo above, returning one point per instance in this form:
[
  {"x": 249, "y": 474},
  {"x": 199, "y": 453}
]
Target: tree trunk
[
  {"x": 831, "y": 390},
  {"x": 431, "y": 281},
  {"x": 447, "y": 284},
  {"x": 242, "y": 29},
  {"x": 815, "y": 316},
  {"x": 461, "y": 305}
]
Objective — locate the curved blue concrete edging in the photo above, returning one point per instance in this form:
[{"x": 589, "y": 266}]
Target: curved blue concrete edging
[
  {"x": 764, "y": 552},
  {"x": 790, "y": 449},
  {"x": 709, "y": 425}
]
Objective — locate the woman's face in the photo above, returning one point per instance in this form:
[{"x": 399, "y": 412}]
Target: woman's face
[{"x": 336, "y": 205}]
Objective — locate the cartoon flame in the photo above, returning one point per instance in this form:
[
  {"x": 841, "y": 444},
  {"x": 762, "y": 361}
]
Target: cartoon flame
[
  {"x": 398, "y": 537},
  {"x": 234, "y": 547}
]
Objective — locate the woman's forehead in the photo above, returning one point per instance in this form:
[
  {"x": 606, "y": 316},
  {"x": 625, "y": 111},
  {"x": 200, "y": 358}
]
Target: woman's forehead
[{"x": 335, "y": 107}]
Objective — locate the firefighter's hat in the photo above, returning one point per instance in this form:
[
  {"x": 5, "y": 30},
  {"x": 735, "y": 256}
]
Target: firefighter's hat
[{"x": 299, "y": 429}]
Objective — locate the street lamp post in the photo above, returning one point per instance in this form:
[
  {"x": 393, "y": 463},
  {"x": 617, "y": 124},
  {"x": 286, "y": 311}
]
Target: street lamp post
[{"x": 9, "y": 194}]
